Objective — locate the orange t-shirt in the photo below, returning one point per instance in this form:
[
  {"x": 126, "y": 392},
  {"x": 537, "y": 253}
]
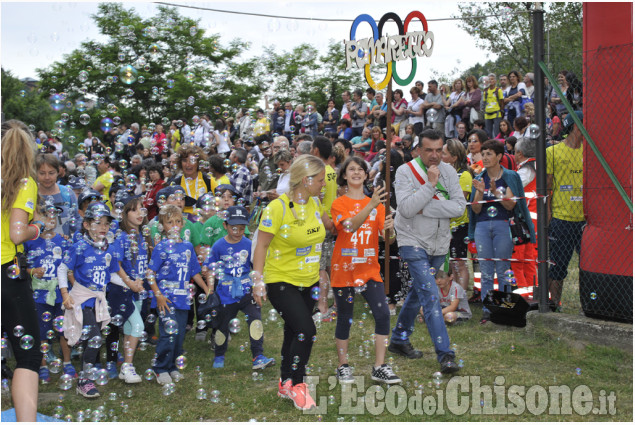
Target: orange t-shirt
[{"x": 355, "y": 257}]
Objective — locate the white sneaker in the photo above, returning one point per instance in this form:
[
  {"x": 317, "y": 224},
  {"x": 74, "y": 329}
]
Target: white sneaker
[
  {"x": 164, "y": 378},
  {"x": 176, "y": 375},
  {"x": 129, "y": 374}
]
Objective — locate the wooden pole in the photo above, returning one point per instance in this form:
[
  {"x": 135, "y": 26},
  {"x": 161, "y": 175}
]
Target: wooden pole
[{"x": 387, "y": 179}]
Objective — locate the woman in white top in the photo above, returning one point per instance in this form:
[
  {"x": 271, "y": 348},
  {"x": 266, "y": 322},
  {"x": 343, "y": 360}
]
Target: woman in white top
[
  {"x": 283, "y": 160},
  {"x": 454, "y": 105},
  {"x": 221, "y": 138},
  {"x": 415, "y": 110}
]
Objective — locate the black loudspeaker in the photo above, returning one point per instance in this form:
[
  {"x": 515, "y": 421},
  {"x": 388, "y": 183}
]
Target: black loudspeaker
[{"x": 506, "y": 308}]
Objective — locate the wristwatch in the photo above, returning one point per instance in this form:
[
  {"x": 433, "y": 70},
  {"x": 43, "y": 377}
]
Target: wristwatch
[{"x": 42, "y": 226}]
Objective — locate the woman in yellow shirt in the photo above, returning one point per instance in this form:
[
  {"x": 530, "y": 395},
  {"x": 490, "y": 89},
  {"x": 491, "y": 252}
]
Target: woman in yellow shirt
[
  {"x": 290, "y": 237},
  {"x": 20, "y": 223}
]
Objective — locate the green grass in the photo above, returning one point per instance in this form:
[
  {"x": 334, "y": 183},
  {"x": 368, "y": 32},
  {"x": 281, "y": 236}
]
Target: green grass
[{"x": 530, "y": 356}]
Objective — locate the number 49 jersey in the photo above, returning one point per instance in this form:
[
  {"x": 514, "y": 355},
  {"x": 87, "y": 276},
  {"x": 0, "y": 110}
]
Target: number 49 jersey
[
  {"x": 91, "y": 266},
  {"x": 355, "y": 256}
]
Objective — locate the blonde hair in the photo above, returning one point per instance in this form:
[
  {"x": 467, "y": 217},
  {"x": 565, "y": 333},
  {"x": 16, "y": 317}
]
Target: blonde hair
[
  {"x": 168, "y": 211},
  {"x": 18, "y": 160},
  {"x": 303, "y": 166}
]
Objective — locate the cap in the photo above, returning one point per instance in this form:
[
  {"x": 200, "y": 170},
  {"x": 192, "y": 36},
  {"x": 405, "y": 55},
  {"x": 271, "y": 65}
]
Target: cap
[
  {"x": 97, "y": 210},
  {"x": 221, "y": 188},
  {"x": 237, "y": 215},
  {"x": 87, "y": 194},
  {"x": 124, "y": 197},
  {"x": 206, "y": 199},
  {"x": 76, "y": 183},
  {"x": 171, "y": 190},
  {"x": 568, "y": 122}
]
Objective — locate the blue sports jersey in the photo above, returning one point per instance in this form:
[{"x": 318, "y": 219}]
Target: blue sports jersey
[
  {"x": 47, "y": 253},
  {"x": 234, "y": 282},
  {"x": 92, "y": 267},
  {"x": 133, "y": 254},
  {"x": 174, "y": 264}
]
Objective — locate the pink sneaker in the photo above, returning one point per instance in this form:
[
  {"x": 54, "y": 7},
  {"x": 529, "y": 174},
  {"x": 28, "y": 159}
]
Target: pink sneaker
[
  {"x": 284, "y": 390},
  {"x": 301, "y": 398}
]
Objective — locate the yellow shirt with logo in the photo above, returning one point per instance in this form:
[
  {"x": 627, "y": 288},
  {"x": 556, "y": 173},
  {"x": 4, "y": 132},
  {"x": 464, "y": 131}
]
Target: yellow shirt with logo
[
  {"x": 565, "y": 164},
  {"x": 106, "y": 179},
  {"x": 330, "y": 190},
  {"x": 492, "y": 105},
  {"x": 294, "y": 252},
  {"x": 465, "y": 181},
  {"x": 196, "y": 188},
  {"x": 26, "y": 200}
]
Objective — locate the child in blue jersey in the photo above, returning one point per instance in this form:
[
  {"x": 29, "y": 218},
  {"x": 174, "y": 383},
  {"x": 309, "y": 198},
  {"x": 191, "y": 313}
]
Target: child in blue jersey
[
  {"x": 91, "y": 261},
  {"x": 126, "y": 292},
  {"x": 231, "y": 257},
  {"x": 44, "y": 256},
  {"x": 172, "y": 264}
]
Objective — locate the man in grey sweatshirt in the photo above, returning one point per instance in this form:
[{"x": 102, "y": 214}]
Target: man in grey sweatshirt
[{"x": 428, "y": 195}]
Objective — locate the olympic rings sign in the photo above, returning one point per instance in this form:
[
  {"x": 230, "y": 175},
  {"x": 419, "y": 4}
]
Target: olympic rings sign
[{"x": 387, "y": 50}]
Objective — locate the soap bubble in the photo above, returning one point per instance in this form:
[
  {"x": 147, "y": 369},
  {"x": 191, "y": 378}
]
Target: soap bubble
[
  {"x": 46, "y": 316},
  {"x": 106, "y": 124},
  {"x": 13, "y": 271},
  {"x": 84, "y": 119},
  {"x": 181, "y": 362},
  {"x": 82, "y": 76},
  {"x": 315, "y": 293},
  {"x": 26, "y": 342},
  {"x": 492, "y": 211},
  {"x": 149, "y": 375},
  {"x": 594, "y": 296},
  {"x": 171, "y": 327},
  {"x": 57, "y": 102},
  {"x": 534, "y": 131},
  {"x": 234, "y": 325},
  {"x": 18, "y": 331},
  {"x": 58, "y": 323},
  {"x": 66, "y": 382}
]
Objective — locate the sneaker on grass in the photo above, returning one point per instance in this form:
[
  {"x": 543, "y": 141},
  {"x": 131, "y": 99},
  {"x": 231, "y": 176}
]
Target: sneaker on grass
[
  {"x": 164, "y": 378},
  {"x": 87, "y": 389},
  {"x": 44, "y": 375},
  {"x": 70, "y": 370},
  {"x": 385, "y": 375},
  {"x": 176, "y": 375},
  {"x": 301, "y": 398},
  {"x": 219, "y": 362},
  {"x": 345, "y": 374},
  {"x": 128, "y": 374},
  {"x": 284, "y": 389},
  {"x": 261, "y": 362}
]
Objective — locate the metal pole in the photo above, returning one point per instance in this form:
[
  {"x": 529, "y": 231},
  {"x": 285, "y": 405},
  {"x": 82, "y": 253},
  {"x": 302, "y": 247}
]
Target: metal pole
[
  {"x": 541, "y": 158},
  {"x": 387, "y": 178}
]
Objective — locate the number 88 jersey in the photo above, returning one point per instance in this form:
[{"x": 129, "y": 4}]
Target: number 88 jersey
[{"x": 92, "y": 266}]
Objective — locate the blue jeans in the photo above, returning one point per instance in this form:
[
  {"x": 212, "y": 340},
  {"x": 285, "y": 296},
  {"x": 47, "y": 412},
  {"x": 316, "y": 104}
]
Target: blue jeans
[
  {"x": 424, "y": 294},
  {"x": 493, "y": 240},
  {"x": 170, "y": 346},
  {"x": 492, "y": 126}
]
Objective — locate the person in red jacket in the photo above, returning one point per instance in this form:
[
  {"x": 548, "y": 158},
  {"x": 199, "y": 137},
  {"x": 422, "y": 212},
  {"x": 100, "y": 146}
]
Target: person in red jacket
[{"x": 525, "y": 272}]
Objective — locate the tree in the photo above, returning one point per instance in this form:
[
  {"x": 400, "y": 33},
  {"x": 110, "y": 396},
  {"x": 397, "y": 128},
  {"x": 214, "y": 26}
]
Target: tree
[
  {"x": 302, "y": 75},
  {"x": 25, "y": 104},
  {"x": 508, "y": 33},
  {"x": 152, "y": 70}
]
